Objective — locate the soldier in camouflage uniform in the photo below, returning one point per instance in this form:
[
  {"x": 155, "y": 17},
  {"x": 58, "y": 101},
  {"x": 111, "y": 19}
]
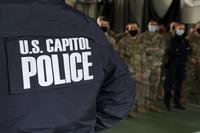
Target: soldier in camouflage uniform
[
  {"x": 119, "y": 36},
  {"x": 134, "y": 55},
  {"x": 193, "y": 78},
  {"x": 104, "y": 23},
  {"x": 154, "y": 47}
]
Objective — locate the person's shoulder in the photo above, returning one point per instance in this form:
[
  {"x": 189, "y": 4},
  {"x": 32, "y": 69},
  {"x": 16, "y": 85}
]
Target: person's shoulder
[
  {"x": 144, "y": 34},
  {"x": 126, "y": 38},
  {"x": 111, "y": 33},
  {"x": 122, "y": 33},
  {"x": 119, "y": 36},
  {"x": 193, "y": 37}
]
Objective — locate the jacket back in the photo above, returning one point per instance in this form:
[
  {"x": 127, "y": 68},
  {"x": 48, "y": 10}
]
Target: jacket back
[{"x": 58, "y": 74}]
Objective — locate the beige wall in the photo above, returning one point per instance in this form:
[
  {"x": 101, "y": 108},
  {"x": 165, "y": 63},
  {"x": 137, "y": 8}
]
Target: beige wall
[{"x": 190, "y": 15}]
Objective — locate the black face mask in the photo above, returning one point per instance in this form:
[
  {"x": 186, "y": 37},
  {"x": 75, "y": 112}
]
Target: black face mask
[
  {"x": 198, "y": 30},
  {"x": 104, "y": 29},
  {"x": 133, "y": 32}
]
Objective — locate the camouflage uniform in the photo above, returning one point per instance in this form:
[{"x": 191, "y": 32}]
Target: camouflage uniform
[
  {"x": 193, "y": 70},
  {"x": 132, "y": 52},
  {"x": 110, "y": 37},
  {"x": 111, "y": 33},
  {"x": 119, "y": 36},
  {"x": 154, "y": 61}
]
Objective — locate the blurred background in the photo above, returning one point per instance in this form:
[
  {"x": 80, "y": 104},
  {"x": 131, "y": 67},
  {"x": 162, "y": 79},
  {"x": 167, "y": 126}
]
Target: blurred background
[{"x": 122, "y": 12}]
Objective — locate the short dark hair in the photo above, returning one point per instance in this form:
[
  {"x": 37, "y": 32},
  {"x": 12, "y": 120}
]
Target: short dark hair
[
  {"x": 154, "y": 20},
  {"x": 180, "y": 24},
  {"x": 103, "y": 18},
  {"x": 132, "y": 23}
]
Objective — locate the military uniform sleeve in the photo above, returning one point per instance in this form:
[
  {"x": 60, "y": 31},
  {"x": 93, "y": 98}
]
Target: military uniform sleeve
[
  {"x": 143, "y": 59},
  {"x": 160, "y": 43},
  {"x": 121, "y": 49},
  {"x": 143, "y": 41},
  {"x": 116, "y": 96}
]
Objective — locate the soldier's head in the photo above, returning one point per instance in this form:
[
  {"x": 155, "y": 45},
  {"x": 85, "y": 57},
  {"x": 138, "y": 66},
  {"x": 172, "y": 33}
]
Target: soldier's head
[
  {"x": 180, "y": 29},
  {"x": 153, "y": 26},
  {"x": 132, "y": 28},
  {"x": 173, "y": 26},
  {"x": 197, "y": 28},
  {"x": 104, "y": 23}
]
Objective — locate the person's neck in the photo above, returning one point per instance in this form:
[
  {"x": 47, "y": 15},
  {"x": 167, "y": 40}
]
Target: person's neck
[
  {"x": 133, "y": 37},
  {"x": 152, "y": 33}
]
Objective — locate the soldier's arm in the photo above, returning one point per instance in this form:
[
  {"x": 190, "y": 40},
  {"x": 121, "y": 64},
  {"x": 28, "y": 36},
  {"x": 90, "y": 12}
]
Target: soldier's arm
[
  {"x": 143, "y": 42},
  {"x": 144, "y": 63},
  {"x": 125, "y": 50},
  {"x": 148, "y": 49},
  {"x": 143, "y": 60},
  {"x": 192, "y": 57},
  {"x": 121, "y": 49},
  {"x": 162, "y": 46}
]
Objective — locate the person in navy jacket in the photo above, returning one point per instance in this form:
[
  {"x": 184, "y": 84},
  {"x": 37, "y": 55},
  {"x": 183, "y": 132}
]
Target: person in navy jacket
[
  {"x": 58, "y": 73},
  {"x": 177, "y": 53}
]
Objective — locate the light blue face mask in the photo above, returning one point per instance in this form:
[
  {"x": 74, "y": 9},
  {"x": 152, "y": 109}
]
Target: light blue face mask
[
  {"x": 180, "y": 32},
  {"x": 152, "y": 28}
]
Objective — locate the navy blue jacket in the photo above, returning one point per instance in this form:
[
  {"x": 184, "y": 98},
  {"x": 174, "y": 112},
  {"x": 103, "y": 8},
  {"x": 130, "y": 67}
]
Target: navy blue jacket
[
  {"x": 58, "y": 73},
  {"x": 178, "y": 49}
]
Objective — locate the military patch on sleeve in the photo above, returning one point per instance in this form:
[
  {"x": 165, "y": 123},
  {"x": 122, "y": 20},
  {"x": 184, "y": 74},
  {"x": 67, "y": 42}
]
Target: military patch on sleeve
[{"x": 36, "y": 63}]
